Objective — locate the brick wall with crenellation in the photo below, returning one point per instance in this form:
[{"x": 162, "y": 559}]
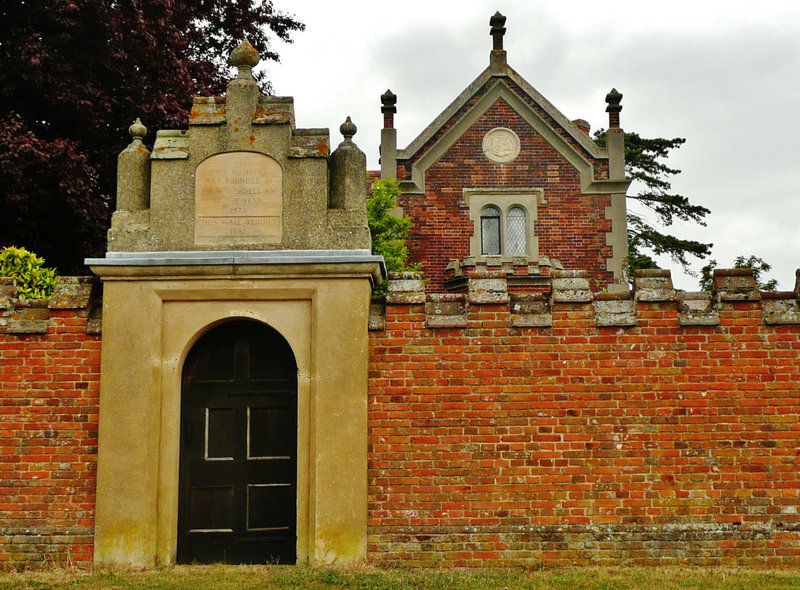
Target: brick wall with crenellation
[
  {"x": 49, "y": 384},
  {"x": 505, "y": 426},
  {"x": 653, "y": 427}
]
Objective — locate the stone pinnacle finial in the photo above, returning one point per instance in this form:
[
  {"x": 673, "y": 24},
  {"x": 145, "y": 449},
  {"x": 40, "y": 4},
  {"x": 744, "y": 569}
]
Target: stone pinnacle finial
[
  {"x": 388, "y": 108},
  {"x": 388, "y": 100},
  {"x": 613, "y": 100},
  {"x": 245, "y": 57},
  {"x": 348, "y": 129},
  {"x": 137, "y": 130},
  {"x": 497, "y": 22}
]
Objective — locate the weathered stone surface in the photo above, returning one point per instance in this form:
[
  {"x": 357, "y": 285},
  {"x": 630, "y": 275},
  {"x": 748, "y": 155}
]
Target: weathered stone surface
[
  {"x": 653, "y": 285},
  {"x": 8, "y": 292},
  {"x": 276, "y": 110},
  {"x": 571, "y": 286},
  {"x": 405, "y": 288},
  {"x": 531, "y": 310},
  {"x": 446, "y": 310},
  {"x": 615, "y": 310},
  {"x": 72, "y": 293},
  {"x": 697, "y": 308},
  {"x": 377, "y": 316},
  {"x": 736, "y": 284},
  {"x": 207, "y": 110},
  {"x": 406, "y": 283},
  {"x": 171, "y": 145},
  {"x": 27, "y": 317},
  {"x": 406, "y": 298},
  {"x": 310, "y": 143},
  {"x": 486, "y": 287},
  {"x": 781, "y": 307}
]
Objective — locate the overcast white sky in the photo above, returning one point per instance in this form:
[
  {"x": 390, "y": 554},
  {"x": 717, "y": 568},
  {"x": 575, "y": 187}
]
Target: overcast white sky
[{"x": 724, "y": 75}]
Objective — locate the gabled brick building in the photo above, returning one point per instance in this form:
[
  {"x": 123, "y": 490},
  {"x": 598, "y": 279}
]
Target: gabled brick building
[{"x": 502, "y": 177}]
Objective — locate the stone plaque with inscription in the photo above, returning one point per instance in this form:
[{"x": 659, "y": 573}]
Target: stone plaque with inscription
[{"x": 238, "y": 200}]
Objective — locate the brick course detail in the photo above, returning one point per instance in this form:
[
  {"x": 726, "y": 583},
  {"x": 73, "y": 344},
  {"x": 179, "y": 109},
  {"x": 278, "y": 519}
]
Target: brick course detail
[
  {"x": 653, "y": 444},
  {"x": 561, "y": 427},
  {"x": 49, "y": 385}
]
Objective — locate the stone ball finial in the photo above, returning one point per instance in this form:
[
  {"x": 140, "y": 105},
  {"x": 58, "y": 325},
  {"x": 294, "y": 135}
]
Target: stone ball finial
[
  {"x": 613, "y": 99},
  {"x": 348, "y": 129},
  {"x": 245, "y": 57},
  {"x": 137, "y": 130}
]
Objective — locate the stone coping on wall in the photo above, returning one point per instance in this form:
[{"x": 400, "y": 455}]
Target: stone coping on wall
[
  {"x": 249, "y": 264},
  {"x": 193, "y": 258},
  {"x": 28, "y": 316},
  {"x": 573, "y": 288}
]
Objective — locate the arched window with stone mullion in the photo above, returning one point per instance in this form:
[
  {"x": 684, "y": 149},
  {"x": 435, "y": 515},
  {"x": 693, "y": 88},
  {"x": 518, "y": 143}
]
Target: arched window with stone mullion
[{"x": 490, "y": 231}]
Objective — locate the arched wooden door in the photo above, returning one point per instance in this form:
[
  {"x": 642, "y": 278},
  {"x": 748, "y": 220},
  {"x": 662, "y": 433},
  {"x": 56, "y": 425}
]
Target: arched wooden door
[{"x": 238, "y": 456}]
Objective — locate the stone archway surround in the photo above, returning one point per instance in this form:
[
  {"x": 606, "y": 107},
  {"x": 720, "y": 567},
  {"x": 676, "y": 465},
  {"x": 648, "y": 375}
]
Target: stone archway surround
[{"x": 152, "y": 316}]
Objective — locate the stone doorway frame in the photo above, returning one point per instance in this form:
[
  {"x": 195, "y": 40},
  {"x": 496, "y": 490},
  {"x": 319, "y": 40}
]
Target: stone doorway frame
[{"x": 155, "y": 307}]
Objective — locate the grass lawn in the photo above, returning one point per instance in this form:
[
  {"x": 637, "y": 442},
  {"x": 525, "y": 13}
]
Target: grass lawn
[{"x": 367, "y": 578}]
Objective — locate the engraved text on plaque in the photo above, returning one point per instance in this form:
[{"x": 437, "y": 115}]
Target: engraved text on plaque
[{"x": 238, "y": 200}]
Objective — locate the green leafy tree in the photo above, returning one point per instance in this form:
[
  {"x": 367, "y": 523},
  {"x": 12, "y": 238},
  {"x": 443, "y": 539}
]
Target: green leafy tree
[
  {"x": 644, "y": 164},
  {"x": 760, "y": 268},
  {"x": 75, "y": 74},
  {"x": 389, "y": 233},
  {"x": 33, "y": 280}
]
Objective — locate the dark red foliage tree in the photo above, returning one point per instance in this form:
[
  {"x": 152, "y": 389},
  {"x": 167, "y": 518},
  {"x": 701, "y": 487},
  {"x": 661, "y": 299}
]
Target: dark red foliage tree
[{"x": 75, "y": 74}]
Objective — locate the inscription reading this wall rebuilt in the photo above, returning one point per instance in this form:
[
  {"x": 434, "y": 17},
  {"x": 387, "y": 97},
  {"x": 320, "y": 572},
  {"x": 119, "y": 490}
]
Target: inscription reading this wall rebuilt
[{"x": 238, "y": 200}]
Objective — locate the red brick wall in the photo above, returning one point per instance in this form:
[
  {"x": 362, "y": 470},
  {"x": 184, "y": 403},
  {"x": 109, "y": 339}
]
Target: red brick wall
[
  {"x": 574, "y": 444},
  {"x": 49, "y": 384},
  {"x": 654, "y": 444},
  {"x": 571, "y": 227}
]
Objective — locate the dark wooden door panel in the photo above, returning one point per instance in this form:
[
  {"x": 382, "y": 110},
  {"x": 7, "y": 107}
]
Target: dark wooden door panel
[{"x": 238, "y": 488}]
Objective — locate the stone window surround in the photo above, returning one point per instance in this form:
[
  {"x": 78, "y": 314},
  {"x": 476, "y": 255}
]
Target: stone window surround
[{"x": 529, "y": 199}]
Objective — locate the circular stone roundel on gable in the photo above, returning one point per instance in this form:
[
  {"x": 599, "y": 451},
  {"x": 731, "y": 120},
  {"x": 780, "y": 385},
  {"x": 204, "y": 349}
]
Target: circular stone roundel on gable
[{"x": 501, "y": 145}]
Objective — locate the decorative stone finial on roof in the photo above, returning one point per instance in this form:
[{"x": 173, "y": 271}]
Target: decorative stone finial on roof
[
  {"x": 497, "y": 22},
  {"x": 389, "y": 100},
  {"x": 388, "y": 108},
  {"x": 613, "y": 100},
  {"x": 348, "y": 129},
  {"x": 245, "y": 57},
  {"x": 137, "y": 130}
]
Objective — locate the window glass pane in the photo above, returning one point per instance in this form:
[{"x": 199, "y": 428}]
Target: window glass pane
[
  {"x": 516, "y": 232},
  {"x": 490, "y": 231}
]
